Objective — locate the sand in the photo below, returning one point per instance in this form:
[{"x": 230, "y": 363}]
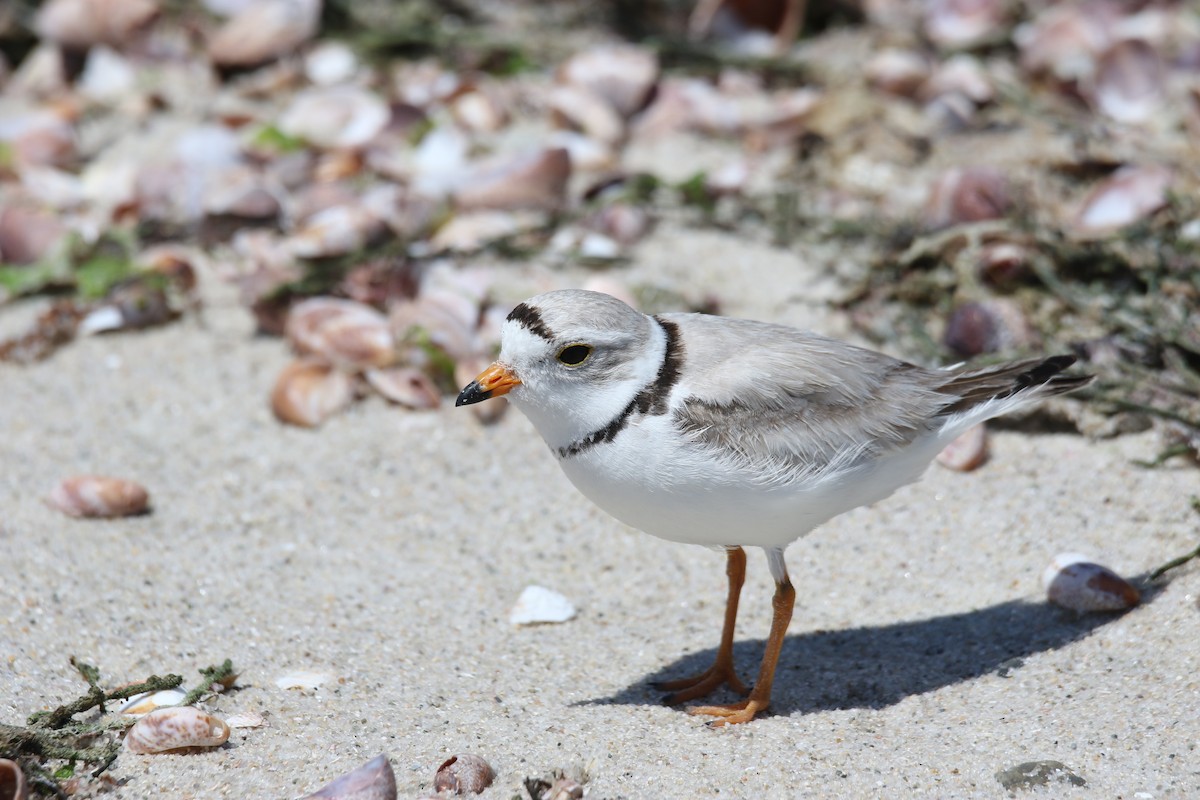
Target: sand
[{"x": 385, "y": 550}]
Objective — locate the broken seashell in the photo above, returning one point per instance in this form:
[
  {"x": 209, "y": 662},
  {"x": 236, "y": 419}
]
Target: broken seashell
[
  {"x": 1130, "y": 194},
  {"x": 374, "y": 780},
  {"x": 245, "y": 719},
  {"x": 146, "y": 702},
  {"x": 342, "y": 331},
  {"x": 578, "y": 108},
  {"x": 534, "y": 181},
  {"x": 1073, "y": 581},
  {"x": 83, "y": 23},
  {"x": 967, "y": 452},
  {"x": 166, "y": 729},
  {"x": 12, "y": 781},
  {"x": 959, "y": 24},
  {"x": 330, "y": 63},
  {"x": 1130, "y": 82},
  {"x": 108, "y": 77},
  {"x": 624, "y": 76},
  {"x": 304, "y": 680},
  {"x": 464, "y": 774},
  {"x": 967, "y": 194},
  {"x": 335, "y": 116},
  {"x": 99, "y": 497},
  {"x": 537, "y": 604},
  {"x": 308, "y": 392},
  {"x": 406, "y": 386},
  {"x": 264, "y": 30}
]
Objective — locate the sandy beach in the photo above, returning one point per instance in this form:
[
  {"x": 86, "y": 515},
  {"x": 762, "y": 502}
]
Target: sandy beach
[{"x": 384, "y": 551}]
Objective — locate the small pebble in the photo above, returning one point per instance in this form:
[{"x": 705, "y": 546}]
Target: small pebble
[{"x": 537, "y": 604}]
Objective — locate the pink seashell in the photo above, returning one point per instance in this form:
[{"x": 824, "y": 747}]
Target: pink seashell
[
  {"x": 406, "y": 386},
  {"x": 464, "y": 774},
  {"x": 341, "y": 331},
  {"x": 173, "y": 728},
  {"x": 967, "y": 194},
  {"x": 1130, "y": 82},
  {"x": 1065, "y": 40},
  {"x": 99, "y": 497},
  {"x": 264, "y": 30},
  {"x": 623, "y": 76},
  {"x": 1130, "y": 194},
  {"x": 1074, "y": 582},
  {"x": 534, "y": 181},
  {"x": 308, "y": 392},
  {"x": 83, "y": 23},
  {"x": 374, "y": 780},
  {"x": 967, "y": 452},
  {"x": 28, "y": 235}
]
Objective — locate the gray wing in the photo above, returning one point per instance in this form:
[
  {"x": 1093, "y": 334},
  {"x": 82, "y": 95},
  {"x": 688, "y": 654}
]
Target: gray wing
[{"x": 784, "y": 402}]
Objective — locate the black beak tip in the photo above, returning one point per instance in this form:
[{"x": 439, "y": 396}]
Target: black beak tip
[{"x": 471, "y": 393}]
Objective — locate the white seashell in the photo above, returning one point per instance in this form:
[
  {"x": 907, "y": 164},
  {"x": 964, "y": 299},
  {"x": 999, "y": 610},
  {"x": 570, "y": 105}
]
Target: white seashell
[
  {"x": 374, "y": 780},
  {"x": 968, "y": 452},
  {"x": 1127, "y": 196},
  {"x": 12, "y": 781},
  {"x": 1074, "y": 582},
  {"x": 264, "y": 30},
  {"x": 473, "y": 230},
  {"x": 167, "y": 729},
  {"x": 335, "y": 231},
  {"x": 586, "y": 154},
  {"x": 342, "y": 331},
  {"x": 538, "y": 604},
  {"x": 107, "y": 77},
  {"x": 406, "y": 386},
  {"x": 246, "y": 719},
  {"x": 308, "y": 392},
  {"x": 956, "y": 24},
  {"x": 478, "y": 111},
  {"x": 330, "y": 63},
  {"x": 305, "y": 680},
  {"x": 963, "y": 74},
  {"x": 146, "y": 702},
  {"x": 240, "y": 192},
  {"x": 99, "y": 496},
  {"x": 1130, "y": 82},
  {"x": 624, "y": 76},
  {"x": 899, "y": 72},
  {"x": 439, "y": 161},
  {"x": 335, "y": 116},
  {"x": 1065, "y": 40}
]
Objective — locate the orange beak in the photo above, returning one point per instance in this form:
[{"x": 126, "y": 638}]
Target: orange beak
[{"x": 494, "y": 381}]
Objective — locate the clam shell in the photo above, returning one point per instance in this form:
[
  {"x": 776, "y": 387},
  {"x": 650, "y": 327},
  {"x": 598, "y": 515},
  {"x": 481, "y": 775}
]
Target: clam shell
[
  {"x": 168, "y": 729},
  {"x": 99, "y": 496},
  {"x": 537, "y": 605},
  {"x": 578, "y": 108},
  {"x": 967, "y": 452},
  {"x": 464, "y": 774},
  {"x": 308, "y": 392},
  {"x": 264, "y": 30},
  {"x": 1130, "y": 82},
  {"x": 406, "y": 386},
  {"x": 83, "y": 23},
  {"x": 341, "y": 331},
  {"x": 1128, "y": 195},
  {"x": 1073, "y": 581},
  {"x": 623, "y": 76},
  {"x": 374, "y": 780},
  {"x": 534, "y": 181},
  {"x": 335, "y": 116},
  {"x": 12, "y": 781}
]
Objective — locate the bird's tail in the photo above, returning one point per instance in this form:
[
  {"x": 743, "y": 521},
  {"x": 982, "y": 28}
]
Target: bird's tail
[{"x": 1031, "y": 379}]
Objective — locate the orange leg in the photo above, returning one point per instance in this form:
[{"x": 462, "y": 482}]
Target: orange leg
[
  {"x": 760, "y": 697},
  {"x": 721, "y": 671}
]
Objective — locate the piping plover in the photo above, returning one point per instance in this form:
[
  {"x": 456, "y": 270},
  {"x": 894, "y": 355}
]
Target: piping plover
[{"x": 726, "y": 432}]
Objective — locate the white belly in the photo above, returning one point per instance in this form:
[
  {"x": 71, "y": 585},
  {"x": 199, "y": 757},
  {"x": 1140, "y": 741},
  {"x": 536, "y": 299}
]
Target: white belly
[{"x": 676, "y": 491}]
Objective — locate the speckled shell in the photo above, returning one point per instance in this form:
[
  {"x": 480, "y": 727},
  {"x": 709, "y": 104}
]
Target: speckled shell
[
  {"x": 1072, "y": 581},
  {"x": 168, "y": 729},
  {"x": 99, "y": 496}
]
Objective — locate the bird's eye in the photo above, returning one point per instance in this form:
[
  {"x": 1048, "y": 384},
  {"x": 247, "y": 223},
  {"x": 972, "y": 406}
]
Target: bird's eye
[{"x": 574, "y": 354}]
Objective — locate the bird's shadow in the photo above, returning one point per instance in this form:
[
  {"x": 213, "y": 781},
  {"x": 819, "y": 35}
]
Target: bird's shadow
[{"x": 875, "y": 667}]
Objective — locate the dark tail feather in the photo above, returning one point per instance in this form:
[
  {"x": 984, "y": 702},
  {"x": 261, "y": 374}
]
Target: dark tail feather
[{"x": 997, "y": 383}]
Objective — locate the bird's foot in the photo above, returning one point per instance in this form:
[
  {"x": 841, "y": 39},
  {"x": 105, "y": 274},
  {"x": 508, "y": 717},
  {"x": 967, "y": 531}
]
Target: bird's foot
[
  {"x": 732, "y": 714},
  {"x": 705, "y": 683}
]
